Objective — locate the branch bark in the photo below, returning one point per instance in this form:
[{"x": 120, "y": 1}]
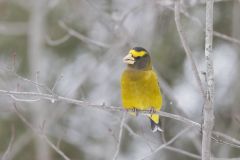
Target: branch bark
[
  {"x": 208, "y": 114},
  {"x": 35, "y": 35}
]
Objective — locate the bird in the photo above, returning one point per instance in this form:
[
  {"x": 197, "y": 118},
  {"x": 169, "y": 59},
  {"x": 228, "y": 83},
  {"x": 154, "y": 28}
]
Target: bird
[{"x": 140, "y": 89}]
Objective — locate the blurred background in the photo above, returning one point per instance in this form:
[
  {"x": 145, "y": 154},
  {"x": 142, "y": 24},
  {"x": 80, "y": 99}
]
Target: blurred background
[{"x": 75, "y": 48}]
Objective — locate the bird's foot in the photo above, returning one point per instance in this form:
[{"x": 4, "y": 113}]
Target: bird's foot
[
  {"x": 135, "y": 111},
  {"x": 152, "y": 110}
]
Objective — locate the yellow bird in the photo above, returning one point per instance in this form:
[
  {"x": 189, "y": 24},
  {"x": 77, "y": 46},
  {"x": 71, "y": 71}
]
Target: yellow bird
[{"x": 139, "y": 85}]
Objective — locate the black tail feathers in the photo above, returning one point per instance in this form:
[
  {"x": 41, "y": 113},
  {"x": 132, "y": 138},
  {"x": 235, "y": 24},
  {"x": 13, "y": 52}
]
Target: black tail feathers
[{"x": 156, "y": 127}]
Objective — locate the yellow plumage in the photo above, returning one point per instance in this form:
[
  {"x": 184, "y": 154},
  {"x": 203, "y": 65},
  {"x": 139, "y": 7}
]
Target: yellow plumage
[{"x": 140, "y": 89}]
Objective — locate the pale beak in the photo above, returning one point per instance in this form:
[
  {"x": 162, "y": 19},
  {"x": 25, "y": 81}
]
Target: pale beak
[{"x": 129, "y": 59}]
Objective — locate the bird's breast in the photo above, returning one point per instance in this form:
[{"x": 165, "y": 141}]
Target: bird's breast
[{"x": 140, "y": 89}]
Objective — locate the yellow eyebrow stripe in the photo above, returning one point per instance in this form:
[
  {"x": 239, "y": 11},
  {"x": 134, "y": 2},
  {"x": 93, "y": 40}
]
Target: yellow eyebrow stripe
[{"x": 137, "y": 53}]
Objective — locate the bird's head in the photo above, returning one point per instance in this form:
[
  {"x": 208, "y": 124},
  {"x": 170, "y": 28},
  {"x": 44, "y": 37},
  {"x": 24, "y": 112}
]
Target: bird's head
[{"x": 138, "y": 58}]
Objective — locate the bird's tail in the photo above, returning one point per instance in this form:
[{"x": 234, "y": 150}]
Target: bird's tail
[{"x": 155, "y": 123}]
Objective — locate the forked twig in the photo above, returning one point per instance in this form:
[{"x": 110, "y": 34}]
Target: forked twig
[{"x": 39, "y": 133}]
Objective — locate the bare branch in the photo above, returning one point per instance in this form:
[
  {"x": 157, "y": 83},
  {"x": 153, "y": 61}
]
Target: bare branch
[
  {"x": 217, "y": 136},
  {"x": 182, "y": 152},
  {"x": 23, "y": 100},
  {"x": 39, "y": 133},
  {"x": 225, "y": 139},
  {"x": 166, "y": 147},
  {"x": 55, "y": 147},
  {"x": 97, "y": 106},
  {"x": 56, "y": 82},
  {"x": 199, "y": 23},
  {"x": 120, "y": 136},
  {"x": 215, "y": 33},
  {"x": 215, "y": 1},
  {"x": 36, "y": 84},
  {"x": 226, "y": 37},
  {"x": 234, "y": 142},
  {"x": 58, "y": 41},
  {"x": 20, "y": 143},
  {"x": 82, "y": 37},
  {"x": 208, "y": 115},
  {"x": 9, "y": 148},
  {"x": 187, "y": 49},
  {"x": 166, "y": 144},
  {"x": 129, "y": 129}
]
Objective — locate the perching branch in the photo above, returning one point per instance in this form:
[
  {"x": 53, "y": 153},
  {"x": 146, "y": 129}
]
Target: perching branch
[
  {"x": 219, "y": 137},
  {"x": 56, "y": 98},
  {"x": 208, "y": 115}
]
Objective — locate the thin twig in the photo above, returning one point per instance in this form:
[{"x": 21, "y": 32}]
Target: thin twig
[
  {"x": 215, "y": 1},
  {"x": 119, "y": 137},
  {"x": 132, "y": 133},
  {"x": 215, "y": 33},
  {"x": 187, "y": 49},
  {"x": 39, "y": 133},
  {"x": 129, "y": 129},
  {"x": 20, "y": 143},
  {"x": 56, "y": 82},
  {"x": 226, "y": 37},
  {"x": 24, "y": 100},
  {"x": 37, "y": 86},
  {"x": 183, "y": 152},
  {"x": 58, "y": 41},
  {"x": 55, "y": 147},
  {"x": 166, "y": 144},
  {"x": 59, "y": 141},
  {"x": 166, "y": 147},
  {"x": 199, "y": 23},
  {"x": 82, "y": 37},
  {"x": 9, "y": 148},
  {"x": 28, "y": 80},
  {"x": 227, "y": 139}
]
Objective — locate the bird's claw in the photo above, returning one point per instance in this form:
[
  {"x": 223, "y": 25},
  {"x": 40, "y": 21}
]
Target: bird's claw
[
  {"x": 135, "y": 111},
  {"x": 152, "y": 110}
]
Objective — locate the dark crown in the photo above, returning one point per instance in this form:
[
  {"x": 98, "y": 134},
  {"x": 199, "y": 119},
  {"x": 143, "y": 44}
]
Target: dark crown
[{"x": 139, "y": 49}]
